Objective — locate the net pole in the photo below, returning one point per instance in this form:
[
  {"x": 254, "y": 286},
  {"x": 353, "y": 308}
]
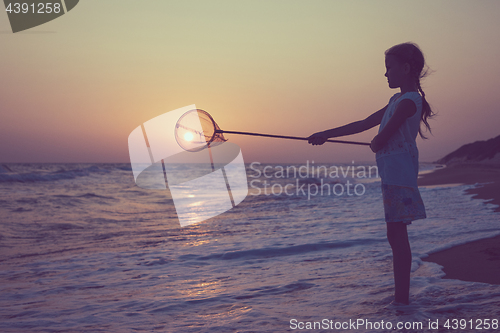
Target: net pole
[{"x": 290, "y": 137}]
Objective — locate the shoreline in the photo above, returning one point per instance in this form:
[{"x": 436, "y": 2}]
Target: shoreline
[{"x": 480, "y": 259}]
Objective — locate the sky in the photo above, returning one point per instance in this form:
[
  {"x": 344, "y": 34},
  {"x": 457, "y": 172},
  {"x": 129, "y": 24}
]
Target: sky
[{"x": 73, "y": 89}]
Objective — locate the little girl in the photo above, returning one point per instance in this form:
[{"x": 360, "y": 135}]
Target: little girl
[{"x": 397, "y": 153}]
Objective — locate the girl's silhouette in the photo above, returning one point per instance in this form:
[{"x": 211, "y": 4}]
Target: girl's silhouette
[{"x": 396, "y": 153}]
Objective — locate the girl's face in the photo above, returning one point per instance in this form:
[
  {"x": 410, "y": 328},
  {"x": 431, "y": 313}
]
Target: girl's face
[{"x": 396, "y": 72}]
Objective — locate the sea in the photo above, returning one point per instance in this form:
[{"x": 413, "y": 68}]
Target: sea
[{"x": 84, "y": 249}]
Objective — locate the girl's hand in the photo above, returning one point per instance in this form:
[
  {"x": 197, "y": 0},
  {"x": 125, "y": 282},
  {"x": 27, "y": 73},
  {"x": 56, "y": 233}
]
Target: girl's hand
[
  {"x": 317, "y": 139},
  {"x": 376, "y": 144}
]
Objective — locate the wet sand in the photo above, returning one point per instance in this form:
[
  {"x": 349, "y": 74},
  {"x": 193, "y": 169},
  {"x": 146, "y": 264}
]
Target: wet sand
[{"x": 477, "y": 261}]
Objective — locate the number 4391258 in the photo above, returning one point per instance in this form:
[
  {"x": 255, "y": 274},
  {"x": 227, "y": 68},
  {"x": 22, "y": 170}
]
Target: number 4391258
[
  {"x": 478, "y": 324},
  {"x": 39, "y": 8}
]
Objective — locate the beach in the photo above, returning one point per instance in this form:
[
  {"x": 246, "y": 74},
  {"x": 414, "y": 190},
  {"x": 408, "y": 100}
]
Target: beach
[
  {"x": 477, "y": 261},
  {"x": 83, "y": 248}
]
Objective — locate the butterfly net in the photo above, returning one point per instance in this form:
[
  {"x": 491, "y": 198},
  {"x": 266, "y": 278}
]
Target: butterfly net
[{"x": 196, "y": 130}]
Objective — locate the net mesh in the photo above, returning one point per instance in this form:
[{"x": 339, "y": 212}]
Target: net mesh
[{"x": 197, "y": 130}]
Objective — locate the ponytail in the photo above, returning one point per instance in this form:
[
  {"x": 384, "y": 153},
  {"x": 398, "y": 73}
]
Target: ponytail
[{"x": 426, "y": 112}]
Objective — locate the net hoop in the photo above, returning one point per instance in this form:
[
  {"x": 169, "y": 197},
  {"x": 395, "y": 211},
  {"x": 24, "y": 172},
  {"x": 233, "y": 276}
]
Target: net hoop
[{"x": 196, "y": 130}]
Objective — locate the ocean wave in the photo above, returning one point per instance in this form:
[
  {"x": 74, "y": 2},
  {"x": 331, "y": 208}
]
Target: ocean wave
[
  {"x": 61, "y": 174},
  {"x": 269, "y": 252},
  {"x": 275, "y": 290},
  {"x": 86, "y": 195}
]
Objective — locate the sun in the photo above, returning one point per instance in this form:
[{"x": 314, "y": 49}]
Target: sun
[{"x": 188, "y": 136}]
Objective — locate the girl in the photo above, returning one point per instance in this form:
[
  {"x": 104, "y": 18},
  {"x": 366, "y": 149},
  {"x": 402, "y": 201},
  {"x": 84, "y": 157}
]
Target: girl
[{"x": 397, "y": 154}]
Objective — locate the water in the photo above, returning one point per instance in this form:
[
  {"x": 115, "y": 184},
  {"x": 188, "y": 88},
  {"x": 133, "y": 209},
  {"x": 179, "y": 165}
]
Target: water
[{"x": 84, "y": 249}]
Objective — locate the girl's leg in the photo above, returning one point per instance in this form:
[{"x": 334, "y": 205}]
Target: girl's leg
[{"x": 401, "y": 253}]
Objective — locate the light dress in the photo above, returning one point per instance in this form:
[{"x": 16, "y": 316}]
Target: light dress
[{"x": 397, "y": 164}]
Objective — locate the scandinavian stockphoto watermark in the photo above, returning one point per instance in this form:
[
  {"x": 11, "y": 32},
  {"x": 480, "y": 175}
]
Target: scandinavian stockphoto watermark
[
  {"x": 203, "y": 182},
  {"x": 26, "y": 14},
  {"x": 310, "y": 180}
]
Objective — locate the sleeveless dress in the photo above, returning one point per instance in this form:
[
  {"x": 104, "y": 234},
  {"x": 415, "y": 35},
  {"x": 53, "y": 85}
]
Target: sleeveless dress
[{"x": 397, "y": 164}]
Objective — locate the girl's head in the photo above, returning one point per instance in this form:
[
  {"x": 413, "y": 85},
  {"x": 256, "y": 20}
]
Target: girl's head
[{"x": 411, "y": 60}]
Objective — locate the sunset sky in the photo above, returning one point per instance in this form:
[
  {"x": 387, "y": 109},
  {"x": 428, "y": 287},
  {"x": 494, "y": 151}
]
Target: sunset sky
[{"x": 74, "y": 88}]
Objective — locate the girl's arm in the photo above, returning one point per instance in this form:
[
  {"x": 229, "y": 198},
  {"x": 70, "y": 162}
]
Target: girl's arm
[
  {"x": 352, "y": 128},
  {"x": 405, "y": 109}
]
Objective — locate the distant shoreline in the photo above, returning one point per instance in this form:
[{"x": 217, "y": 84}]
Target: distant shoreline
[
  {"x": 469, "y": 174},
  {"x": 477, "y": 261}
]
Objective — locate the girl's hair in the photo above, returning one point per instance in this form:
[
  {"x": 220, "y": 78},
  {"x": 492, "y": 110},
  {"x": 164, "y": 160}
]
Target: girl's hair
[{"x": 410, "y": 53}]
